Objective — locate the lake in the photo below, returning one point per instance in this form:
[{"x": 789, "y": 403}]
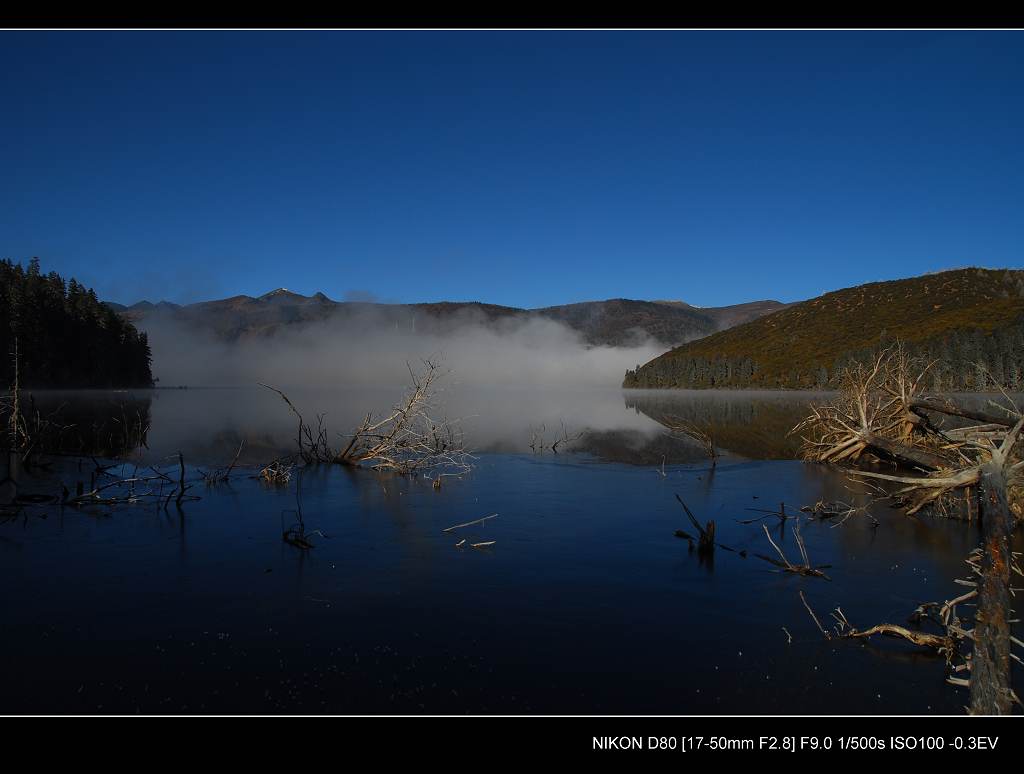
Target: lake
[{"x": 585, "y": 603}]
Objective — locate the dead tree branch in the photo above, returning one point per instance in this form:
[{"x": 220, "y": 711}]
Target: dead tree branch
[
  {"x": 787, "y": 566},
  {"x": 408, "y": 439},
  {"x": 702, "y": 434}
]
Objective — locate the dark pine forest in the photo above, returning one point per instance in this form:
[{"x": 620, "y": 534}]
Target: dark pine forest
[{"x": 65, "y": 336}]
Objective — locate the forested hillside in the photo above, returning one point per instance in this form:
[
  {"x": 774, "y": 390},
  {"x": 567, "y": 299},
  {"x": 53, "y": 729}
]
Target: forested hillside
[
  {"x": 65, "y": 336},
  {"x": 970, "y": 321}
]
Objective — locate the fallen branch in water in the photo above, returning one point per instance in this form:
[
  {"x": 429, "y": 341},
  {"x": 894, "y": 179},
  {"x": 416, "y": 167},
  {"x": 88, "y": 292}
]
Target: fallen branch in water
[
  {"x": 471, "y": 523},
  {"x": 787, "y": 566},
  {"x": 706, "y": 540},
  {"x": 824, "y": 511},
  {"x": 131, "y": 490},
  {"x": 781, "y": 514},
  {"x": 277, "y": 473},
  {"x": 222, "y": 475},
  {"x": 813, "y": 616},
  {"x": 961, "y": 646}
]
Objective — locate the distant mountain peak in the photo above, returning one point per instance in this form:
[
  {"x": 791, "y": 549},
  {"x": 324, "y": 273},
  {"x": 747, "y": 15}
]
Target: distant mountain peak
[
  {"x": 279, "y": 293},
  {"x": 146, "y": 306},
  {"x": 675, "y": 302}
]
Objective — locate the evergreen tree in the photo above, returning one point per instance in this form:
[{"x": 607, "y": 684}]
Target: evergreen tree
[{"x": 66, "y": 336}]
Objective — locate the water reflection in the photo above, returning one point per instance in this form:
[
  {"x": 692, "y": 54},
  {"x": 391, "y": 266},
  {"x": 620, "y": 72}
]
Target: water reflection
[
  {"x": 584, "y": 604},
  {"x": 208, "y": 425},
  {"x": 751, "y": 424},
  {"x": 104, "y": 423}
]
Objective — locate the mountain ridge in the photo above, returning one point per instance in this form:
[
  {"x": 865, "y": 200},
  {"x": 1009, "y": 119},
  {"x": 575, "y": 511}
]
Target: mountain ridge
[{"x": 611, "y": 322}]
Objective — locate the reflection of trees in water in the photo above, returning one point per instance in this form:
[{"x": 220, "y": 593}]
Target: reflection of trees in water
[
  {"x": 102, "y": 424},
  {"x": 748, "y": 424},
  {"x": 257, "y": 448},
  {"x": 636, "y": 447}
]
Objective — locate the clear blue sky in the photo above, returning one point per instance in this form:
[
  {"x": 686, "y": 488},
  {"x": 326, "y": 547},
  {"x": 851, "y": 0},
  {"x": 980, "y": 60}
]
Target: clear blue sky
[{"x": 516, "y": 168}]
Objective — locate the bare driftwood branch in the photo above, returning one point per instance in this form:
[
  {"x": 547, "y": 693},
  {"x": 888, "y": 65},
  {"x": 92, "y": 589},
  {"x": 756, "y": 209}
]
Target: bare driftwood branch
[
  {"x": 1006, "y": 418},
  {"x": 703, "y": 434},
  {"x": 278, "y": 473},
  {"x": 133, "y": 489},
  {"x": 813, "y": 616},
  {"x": 408, "y": 439},
  {"x": 787, "y": 566},
  {"x": 222, "y": 475},
  {"x": 470, "y": 523}
]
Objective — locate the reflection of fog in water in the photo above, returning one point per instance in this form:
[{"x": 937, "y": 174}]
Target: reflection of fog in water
[
  {"x": 494, "y": 420},
  {"x": 208, "y": 425}
]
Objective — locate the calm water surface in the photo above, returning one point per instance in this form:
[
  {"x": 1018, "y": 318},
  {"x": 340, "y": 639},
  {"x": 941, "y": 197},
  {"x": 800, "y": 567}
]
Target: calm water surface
[{"x": 586, "y": 603}]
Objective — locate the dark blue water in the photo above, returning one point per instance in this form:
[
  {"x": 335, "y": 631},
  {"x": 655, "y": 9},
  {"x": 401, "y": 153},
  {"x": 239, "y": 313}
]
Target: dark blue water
[{"x": 586, "y": 602}]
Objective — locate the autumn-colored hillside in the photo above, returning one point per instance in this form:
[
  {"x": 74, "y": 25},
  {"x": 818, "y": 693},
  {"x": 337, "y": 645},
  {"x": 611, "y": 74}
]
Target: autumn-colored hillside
[{"x": 970, "y": 320}]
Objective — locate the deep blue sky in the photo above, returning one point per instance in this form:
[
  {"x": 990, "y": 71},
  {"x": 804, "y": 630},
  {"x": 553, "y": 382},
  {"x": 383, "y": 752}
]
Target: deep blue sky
[{"x": 516, "y": 168}]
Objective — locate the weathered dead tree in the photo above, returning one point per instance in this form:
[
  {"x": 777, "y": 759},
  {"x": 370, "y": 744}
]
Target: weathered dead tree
[
  {"x": 880, "y": 412},
  {"x": 28, "y": 429},
  {"x": 990, "y": 666},
  {"x": 12, "y": 406},
  {"x": 408, "y": 439},
  {"x": 872, "y": 415}
]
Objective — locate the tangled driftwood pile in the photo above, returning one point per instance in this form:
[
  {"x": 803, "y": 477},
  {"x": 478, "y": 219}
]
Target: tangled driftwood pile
[
  {"x": 951, "y": 457},
  {"x": 407, "y": 439}
]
